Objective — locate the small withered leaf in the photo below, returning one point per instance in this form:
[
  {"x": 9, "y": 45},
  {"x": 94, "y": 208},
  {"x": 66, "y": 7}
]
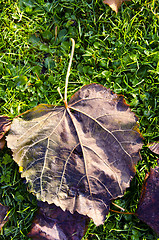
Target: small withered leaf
[
  {"x": 78, "y": 156},
  {"x": 114, "y": 4},
  {"x": 5, "y": 124},
  {"x": 51, "y": 223},
  {"x": 154, "y": 147},
  {"x": 148, "y": 209},
  {"x": 3, "y": 215}
]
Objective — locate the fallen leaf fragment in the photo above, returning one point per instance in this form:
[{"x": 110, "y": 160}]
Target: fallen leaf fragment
[
  {"x": 5, "y": 124},
  {"x": 2, "y": 142},
  {"x": 3, "y": 213},
  {"x": 148, "y": 209},
  {"x": 114, "y": 4},
  {"x": 51, "y": 223},
  {"x": 79, "y": 156},
  {"x": 154, "y": 147}
]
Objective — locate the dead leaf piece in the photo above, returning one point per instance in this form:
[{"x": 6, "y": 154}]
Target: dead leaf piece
[
  {"x": 148, "y": 209},
  {"x": 54, "y": 224},
  {"x": 2, "y": 143},
  {"x": 81, "y": 156},
  {"x": 154, "y": 147},
  {"x": 3, "y": 213},
  {"x": 114, "y": 4},
  {"x": 4, "y": 128}
]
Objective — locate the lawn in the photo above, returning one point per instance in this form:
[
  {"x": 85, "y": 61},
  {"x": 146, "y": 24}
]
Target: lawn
[{"x": 119, "y": 51}]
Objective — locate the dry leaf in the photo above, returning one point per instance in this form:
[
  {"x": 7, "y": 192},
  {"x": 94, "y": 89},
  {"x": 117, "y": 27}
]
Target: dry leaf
[
  {"x": 81, "y": 155},
  {"x": 3, "y": 213},
  {"x": 148, "y": 209},
  {"x": 51, "y": 223},
  {"x": 4, "y": 128},
  {"x": 114, "y": 4},
  {"x": 154, "y": 147}
]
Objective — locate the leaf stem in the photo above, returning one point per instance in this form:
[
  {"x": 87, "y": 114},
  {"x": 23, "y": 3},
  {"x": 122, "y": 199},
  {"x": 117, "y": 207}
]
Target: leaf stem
[
  {"x": 128, "y": 213},
  {"x": 68, "y": 71},
  {"x": 118, "y": 206},
  {"x": 124, "y": 212},
  {"x": 58, "y": 89}
]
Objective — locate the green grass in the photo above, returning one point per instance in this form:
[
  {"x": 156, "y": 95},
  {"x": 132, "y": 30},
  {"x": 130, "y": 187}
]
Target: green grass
[{"x": 118, "y": 51}]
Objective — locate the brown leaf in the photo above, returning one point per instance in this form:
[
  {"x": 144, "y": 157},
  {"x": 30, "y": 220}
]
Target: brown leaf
[
  {"x": 148, "y": 209},
  {"x": 114, "y": 4},
  {"x": 2, "y": 142},
  {"x": 4, "y": 128},
  {"x": 80, "y": 156},
  {"x": 3, "y": 213},
  {"x": 154, "y": 147},
  {"x": 54, "y": 224}
]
